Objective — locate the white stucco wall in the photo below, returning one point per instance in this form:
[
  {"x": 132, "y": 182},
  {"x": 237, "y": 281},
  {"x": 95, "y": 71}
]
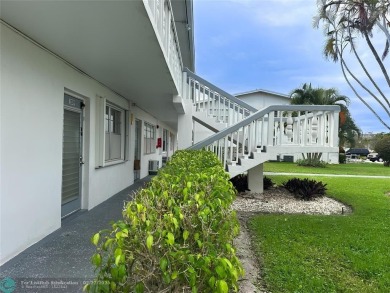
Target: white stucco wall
[
  {"x": 261, "y": 100},
  {"x": 33, "y": 83},
  {"x": 146, "y": 117}
]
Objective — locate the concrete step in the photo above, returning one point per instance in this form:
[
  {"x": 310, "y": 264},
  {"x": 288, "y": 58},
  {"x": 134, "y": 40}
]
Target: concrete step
[{"x": 248, "y": 162}]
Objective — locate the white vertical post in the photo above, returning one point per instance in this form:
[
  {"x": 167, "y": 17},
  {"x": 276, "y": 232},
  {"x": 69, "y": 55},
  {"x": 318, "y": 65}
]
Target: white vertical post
[
  {"x": 236, "y": 143},
  {"x": 234, "y": 113},
  {"x": 305, "y": 129},
  {"x": 255, "y": 179},
  {"x": 271, "y": 125},
  {"x": 334, "y": 129},
  {"x": 295, "y": 131},
  {"x": 225, "y": 110},
  {"x": 212, "y": 104},
  {"x": 184, "y": 86},
  {"x": 203, "y": 99},
  {"x": 256, "y": 135},
  {"x": 189, "y": 89},
  {"x": 169, "y": 35},
  {"x": 225, "y": 151},
  {"x": 281, "y": 127},
  {"x": 250, "y": 136},
  {"x": 219, "y": 149},
  {"x": 314, "y": 128},
  {"x": 289, "y": 127},
  {"x": 185, "y": 126},
  {"x": 219, "y": 108},
  {"x": 208, "y": 102},
  {"x": 321, "y": 128},
  {"x": 229, "y": 120},
  {"x": 264, "y": 133},
  {"x": 231, "y": 148},
  {"x": 243, "y": 141}
]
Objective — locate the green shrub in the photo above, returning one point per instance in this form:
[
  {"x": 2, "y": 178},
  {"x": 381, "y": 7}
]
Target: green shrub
[
  {"x": 382, "y": 147},
  {"x": 267, "y": 182},
  {"x": 311, "y": 163},
  {"x": 292, "y": 185},
  {"x": 240, "y": 182},
  {"x": 305, "y": 189},
  {"x": 176, "y": 235},
  {"x": 342, "y": 158}
]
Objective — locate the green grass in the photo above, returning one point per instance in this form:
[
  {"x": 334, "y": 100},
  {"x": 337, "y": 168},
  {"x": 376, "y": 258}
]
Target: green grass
[
  {"x": 305, "y": 253},
  {"x": 349, "y": 169}
]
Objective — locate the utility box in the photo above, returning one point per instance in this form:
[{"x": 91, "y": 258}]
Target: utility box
[
  {"x": 288, "y": 158},
  {"x": 153, "y": 167}
]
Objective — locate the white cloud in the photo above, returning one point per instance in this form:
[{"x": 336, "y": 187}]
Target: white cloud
[
  {"x": 271, "y": 44},
  {"x": 284, "y": 13},
  {"x": 323, "y": 80}
]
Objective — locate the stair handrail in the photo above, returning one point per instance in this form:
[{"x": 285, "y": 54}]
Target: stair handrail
[
  {"x": 219, "y": 90},
  {"x": 260, "y": 114}
]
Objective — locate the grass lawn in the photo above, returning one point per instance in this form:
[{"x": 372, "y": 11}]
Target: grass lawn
[
  {"x": 304, "y": 253},
  {"x": 350, "y": 169}
]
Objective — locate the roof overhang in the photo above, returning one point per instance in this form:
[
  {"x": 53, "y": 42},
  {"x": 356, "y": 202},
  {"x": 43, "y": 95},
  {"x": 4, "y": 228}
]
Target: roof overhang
[{"x": 112, "y": 41}]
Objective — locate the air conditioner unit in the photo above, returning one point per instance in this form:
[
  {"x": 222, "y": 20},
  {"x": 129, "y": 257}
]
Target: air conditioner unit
[
  {"x": 164, "y": 161},
  {"x": 153, "y": 167}
]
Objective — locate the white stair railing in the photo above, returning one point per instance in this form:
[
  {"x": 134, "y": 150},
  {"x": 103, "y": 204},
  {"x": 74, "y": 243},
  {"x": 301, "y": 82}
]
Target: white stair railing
[
  {"x": 275, "y": 130},
  {"x": 213, "y": 101}
]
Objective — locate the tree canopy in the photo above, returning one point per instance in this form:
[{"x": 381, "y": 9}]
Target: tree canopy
[
  {"x": 382, "y": 147},
  {"x": 352, "y": 29}
]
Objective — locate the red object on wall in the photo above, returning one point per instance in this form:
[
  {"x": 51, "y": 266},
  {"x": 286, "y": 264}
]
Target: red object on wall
[{"x": 158, "y": 142}]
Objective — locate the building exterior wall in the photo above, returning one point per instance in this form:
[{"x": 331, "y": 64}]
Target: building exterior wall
[
  {"x": 145, "y": 117},
  {"x": 33, "y": 84},
  {"x": 261, "y": 100}
]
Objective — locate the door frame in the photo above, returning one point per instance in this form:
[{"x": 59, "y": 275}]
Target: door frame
[
  {"x": 75, "y": 104},
  {"x": 137, "y": 148}
]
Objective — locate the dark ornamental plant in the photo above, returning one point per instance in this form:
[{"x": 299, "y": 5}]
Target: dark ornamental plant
[{"x": 305, "y": 189}]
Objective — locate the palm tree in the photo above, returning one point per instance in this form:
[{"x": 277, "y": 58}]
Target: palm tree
[
  {"x": 345, "y": 22},
  {"x": 318, "y": 96},
  {"x": 307, "y": 95},
  {"x": 348, "y": 132}
]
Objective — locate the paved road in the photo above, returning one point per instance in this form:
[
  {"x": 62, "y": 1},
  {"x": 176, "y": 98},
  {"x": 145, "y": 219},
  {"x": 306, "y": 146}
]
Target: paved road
[{"x": 328, "y": 175}]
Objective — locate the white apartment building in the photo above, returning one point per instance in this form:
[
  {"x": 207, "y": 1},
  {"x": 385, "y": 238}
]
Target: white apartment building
[{"x": 95, "y": 93}]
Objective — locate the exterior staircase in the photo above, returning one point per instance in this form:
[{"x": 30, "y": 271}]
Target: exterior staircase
[{"x": 243, "y": 137}]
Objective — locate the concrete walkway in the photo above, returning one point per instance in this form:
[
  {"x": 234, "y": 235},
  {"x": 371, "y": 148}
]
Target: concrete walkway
[
  {"x": 327, "y": 175},
  {"x": 61, "y": 261}
]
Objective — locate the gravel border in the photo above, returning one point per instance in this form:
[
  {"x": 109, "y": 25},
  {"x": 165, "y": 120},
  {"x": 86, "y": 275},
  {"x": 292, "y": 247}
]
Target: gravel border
[{"x": 279, "y": 200}]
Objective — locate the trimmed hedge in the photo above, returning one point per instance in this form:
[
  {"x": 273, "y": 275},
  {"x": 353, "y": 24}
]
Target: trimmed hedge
[{"x": 176, "y": 235}]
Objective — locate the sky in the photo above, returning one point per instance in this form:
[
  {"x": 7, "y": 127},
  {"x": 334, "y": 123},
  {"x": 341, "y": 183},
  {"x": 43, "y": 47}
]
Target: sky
[{"x": 243, "y": 45}]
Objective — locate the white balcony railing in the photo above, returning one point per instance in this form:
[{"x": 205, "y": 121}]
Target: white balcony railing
[
  {"x": 213, "y": 101},
  {"x": 274, "y": 130},
  {"x": 161, "y": 16}
]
